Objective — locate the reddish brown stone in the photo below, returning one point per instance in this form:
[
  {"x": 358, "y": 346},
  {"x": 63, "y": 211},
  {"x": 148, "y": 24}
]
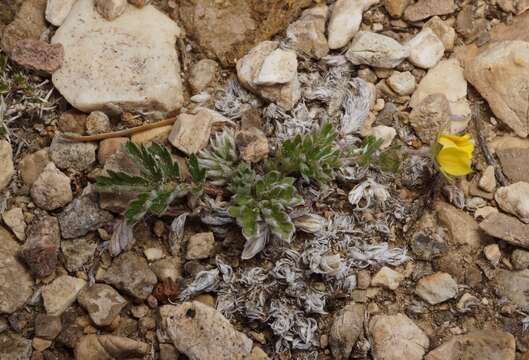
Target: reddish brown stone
[
  {"x": 72, "y": 122},
  {"x": 38, "y": 55}
]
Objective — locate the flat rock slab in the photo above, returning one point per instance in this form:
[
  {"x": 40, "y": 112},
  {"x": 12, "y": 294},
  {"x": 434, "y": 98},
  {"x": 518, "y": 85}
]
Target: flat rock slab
[
  {"x": 507, "y": 228},
  {"x": 514, "y": 285},
  {"x": 515, "y": 163},
  {"x": 130, "y": 62}
]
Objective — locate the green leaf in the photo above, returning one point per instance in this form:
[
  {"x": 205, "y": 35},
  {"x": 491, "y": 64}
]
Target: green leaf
[
  {"x": 279, "y": 222},
  {"x": 161, "y": 202},
  {"x": 169, "y": 168},
  {"x": 121, "y": 182},
  {"x": 198, "y": 174},
  {"x": 247, "y": 218},
  {"x": 138, "y": 208}
]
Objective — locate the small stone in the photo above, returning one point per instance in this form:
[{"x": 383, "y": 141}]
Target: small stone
[
  {"x": 97, "y": 123},
  {"x": 436, "y": 288},
  {"x": 492, "y": 253},
  {"x": 514, "y": 199},
  {"x": 47, "y": 326},
  {"x": 507, "y": 228},
  {"x": 411, "y": 342},
  {"x": 252, "y": 144},
  {"x": 29, "y": 23},
  {"x": 345, "y": 20},
  {"x": 111, "y": 9},
  {"x": 32, "y": 165},
  {"x": 190, "y": 133},
  {"x": 168, "y": 352},
  {"x": 488, "y": 180},
  {"x": 13, "y": 275},
  {"x": 467, "y": 302},
  {"x": 279, "y": 67},
  {"x": 347, "y": 327},
  {"x": 140, "y": 3},
  {"x": 108, "y": 147},
  {"x": 202, "y": 74},
  {"x": 395, "y": 8},
  {"x": 14, "y": 347},
  {"x": 444, "y": 32},
  {"x": 514, "y": 163},
  {"x": 131, "y": 274},
  {"x": 169, "y": 268},
  {"x": 72, "y": 155},
  {"x": 462, "y": 228},
  {"x": 376, "y": 50},
  {"x": 72, "y": 122},
  {"x": 423, "y": 9},
  {"x": 52, "y": 189},
  {"x": 77, "y": 252},
  {"x": 514, "y": 285},
  {"x": 41, "y": 247},
  {"x": 430, "y": 116},
  {"x": 520, "y": 259},
  {"x": 201, "y": 332},
  {"x": 259, "y": 354},
  {"x": 363, "y": 279},
  {"x": 81, "y": 216},
  {"x": 6, "y": 164},
  {"x": 385, "y": 133},
  {"x": 485, "y": 211},
  {"x": 102, "y": 303},
  {"x": 388, "y": 278},
  {"x": 61, "y": 293},
  {"x": 38, "y": 55},
  {"x": 156, "y": 135},
  {"x": 307, "y": 34},
  {"x": 426, "y": 247},
  {"x": 14, "y": 218},
  {"x": 153, "y": 254},
  {"x": 58, "y": 10},
  {"x": 426, "y": 49},
  {"x": 403, "y": 83},
  {"x": 200, "y": 246},
  {"x": 95, "y": 347},
  {"x": 40, "y": 344}
]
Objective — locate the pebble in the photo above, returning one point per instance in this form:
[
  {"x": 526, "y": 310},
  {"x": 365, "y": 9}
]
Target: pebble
[
  {"x": 200, "y": 246},
  {"x": 47, "y": 326},
  {"x": 514, "y": 199},
  {"x": 514, "y": 285},
  {"x": 92, "y": 347},
  {"x": 395, "y": 8},
  {"x": 485, "y": 211},
  {"x": 102, "y": 303},
  {"x": 13, "y": 275},
  {"x": 14, "y": 347},
  {"x": 153, "y": 254},
  {"x": 57, "y": 11},
  {"x": 423, "y": 9},
  {"x": 467, "y": 302},
  {"x": 77, "y": 252},
  {"x": 386, "y": 133},
  {"x": 111, "y": 9},
  {"x": 190, "y": 132},
  {"x": 40, "y": 344},
  {"x": 279, "y": 67},
  {"x": 507, "y": 228},
  {"x": 131, "y": 274},
  {"x": 514, "y": 163},
  {"x": 520, "y": 259},
  {"x": 388, "y": 278},
  {"x": 108, "y": 147},
  {"x": 368, "y": 48},
  {"x": 307, "y": 34},
  {"x": 32, "y": 165},
  {"x": 97, "y": 123},
  {"x": 201, "y": 332},
  {"x": 411, "y": 342},
  {"x": 492, "y": 253},
  {"x": 168, "y": 268},
  {"x": 444, "y": 32},
  {"x": 14, "y": 219},
  {"x": 436, "y": 288},
  {"x": 426, "y": 49},
  {"x": 168, "y": 352},
  {"x": 6, "y": 164},
  {"x": 29, "y": 23},
  {"x": 52, "y": 189},
  {"x": 202, "y": 74},
  {"x": 61, "y": 293},
  {"x": 487, "y": 182},
  {"x": 430, "y": 116},
  {"x": 252, "y": 144},
  {"x": 38, "y": 55},
  {"x": 462, "y": 228},
  {"x": 403, "y": 83},
  {"x": 346, "y": 329},
  {"x": 72, "y": 155}
]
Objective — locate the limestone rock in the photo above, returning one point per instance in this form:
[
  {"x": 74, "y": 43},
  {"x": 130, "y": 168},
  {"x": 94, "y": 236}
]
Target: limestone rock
[
  {"x": 141, "y": 72},
  {"x": 345, "y": 20},
  {"x": 424, "y": 9},
  {"x": 487, "y": 181},
  {"x": 368, "y": 48},
  {"x": 81, "y": 216},
  {"x": 108, "y": 147},
  {"x": 190, "y": 132},
  {"x": 29, "y": 23},
  {"x": 514, "y": 285},
  {"x": 77, "y": 252},
  {"x": 507, "y": 228},
  {"x": 411, "y": 342},
  {"x": 462, "y": 228},
  {"x": 72, "y": 122},
  {"x": 436, "y": 288},
  {"x": 109, "y": 347},
  {"x": 514, "y": 199},
  {"x": 47, "y": 326},
  {"x": 168, "y": 268},
  {"x": 111, "y": 9},
  {"x": 102, "y": 303},
  {"x": 478, "y": 344},
  {"x": 16, "y": 285},
  {"x": 347, "y": 327},
  {"x": 395, "y": 8},
  {"x": 61, "y": 293},
  {"x": 279, "y": 67},
  {"x": 514, "y": 162},
  {"x": 426, "y": 49},
  {"x": 140, "y": 3},
  {"x": 14, "y": 347},
  {"x": 14, "y": 219},
  {"x": 249, "y": 69},
  {"x": 6, "y": 164},
  {"x": 52, "y": 189},
  {"x": 252, "y": 144},
  {"x": 385, "y": 133},
  {"x": 307, "y": 35},
  {"x": 72, "y": 155},
  {"x": 131, "y": 274},
  {"x": 430, "y": 116},
  {"x": 387, "y": 278},
  {"x": 403, "y": 83},
  {"x": 38, "y": 55},
  {"x": 97, "y": 122},
  {"x": 202, "y": 74},
  {"x": 200, "y": 246},
  {"x": 41, "y": 247},
  {"x": 58, "y": 10},
  {"x": 201, "y": 332},
  {"x": 500, "y": 74},
  {"x": 32, "y": 165},
  {"x": 520, "y": 259},
  {"x": 444, "y": 32},
  {"x": 492, "y": 253}
]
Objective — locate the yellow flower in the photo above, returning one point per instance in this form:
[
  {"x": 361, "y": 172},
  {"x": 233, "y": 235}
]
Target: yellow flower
[{"x": 453, "y": 154}]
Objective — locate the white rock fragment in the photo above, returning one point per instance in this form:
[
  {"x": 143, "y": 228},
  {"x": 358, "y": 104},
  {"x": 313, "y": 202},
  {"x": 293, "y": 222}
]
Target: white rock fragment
[
  {"x": 307, "y": 34},
  {"x": 52, "y": 189},
  {"x": 436, "y": 288},
  {"x": 345, "y": 21},
  {"x": 386, "y": 133},
  {"x": 514, "y": 199},
  {"x": 487, "y": 181},
  {"x": 368, "y": 48},
  {"x": 387, "y": 278},
  {"x": 403, "y": 83},
  {"x": 190, "y": 132},
  {"x": 6, "y": 164},
  {"x": 61, "y": 293},
  {"x": 14, "y": 218},
  {"x": 492, "y": 253},
  {"x": 426, "y": 49},
  {"x": 200, "y": 246},
  {"x": 111, "y": 9},
  {"x": 444, "y": 32},
  {"x": 58, "y": 10},
  {"x": 118, "y": 64},
  {"x": 485, "y": 211},
  {"x": 280, "y": 67}
]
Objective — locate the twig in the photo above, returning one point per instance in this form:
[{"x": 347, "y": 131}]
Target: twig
[{"x": 120, "y": 133}]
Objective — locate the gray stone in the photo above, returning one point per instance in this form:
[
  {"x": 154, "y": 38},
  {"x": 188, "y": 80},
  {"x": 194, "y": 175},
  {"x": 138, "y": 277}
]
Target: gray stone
[
  {"x": 16, "y": 284},
  {"x": 61, "y": 293},
  {"x": 307, "y": 35},
  {"x": 14, "y": 218},
  {"x": 520, "y": 259},
  {"x": 29, "y": 23},
  {"x": 190, "y": 133},
  {"x": 430, "y": 116},
  {"x": 102, "y": 303},
  {"x": 514, "y": 163},
  {"x": 507, "y": 228},
  {"x": 403, "y": 83},
  {"x": 347, "y": 327},
  {"x": 514, "y": 285},
  {"x": 201, "y": 332},
  {"x": 77, "y": 252},
  {"x": 514, "y": 199},
  {"x": 72, "y": 155},
  {"x": 38, "y": 55},
  {"x": 202, "y": 74},
  {"x": 118, "y": 63},
  {"x": 426, "y": 49},
  {"x": 368, "y": 48},
  {"x": 14, "y": 347},
  {"x": 47, "y": 326},
  {"x": 58, "y": 10},
  {"x": 424, "y": 9},
  {"x": 131, "y": 274},
  {"x": 436, "y": 288},
  {"x": 426, "y": 247},
  {"x": 97, "y": 123},
  {"x": 52, "y": 189},
  {"x": 6, "y": 164}
]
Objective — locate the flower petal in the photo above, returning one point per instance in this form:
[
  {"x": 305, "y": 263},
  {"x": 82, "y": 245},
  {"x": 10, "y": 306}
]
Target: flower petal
[{"x": 454, "y": 161}]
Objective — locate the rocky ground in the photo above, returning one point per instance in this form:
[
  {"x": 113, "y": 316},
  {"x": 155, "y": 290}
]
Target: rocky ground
[{"x": 387, "y": 262}]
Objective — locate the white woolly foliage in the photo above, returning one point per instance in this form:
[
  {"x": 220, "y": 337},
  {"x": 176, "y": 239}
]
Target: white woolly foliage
[
  {"x": 371, "y": 193},
  {"x": 235, "y": 96},
  {"x": 288, "y": 126},
  {"x": 356, "y": 106},
  {"x": 220, "y": 158},
  {"x": 364, "y": 255}
]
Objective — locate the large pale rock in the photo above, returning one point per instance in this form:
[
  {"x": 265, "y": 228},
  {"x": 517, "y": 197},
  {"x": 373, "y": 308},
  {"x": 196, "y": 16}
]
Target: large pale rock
[
  {"x": 426, "y": 49},
  {"x": 58, "y": 10},
  {"x": 480, "y": 344},
  {"x": 346, "y": 328},
  {"x": 6, "y": 164},
  {"x": 514, "y": 199},
  {"x": 514, "y": 285},
  {"x": 436, "y": 288},
  {"x": 119, "y": 62},
  {"x": 15, "y": 282},
  {"x": 249, "y": 71},
  {"x": 424, "y": 9},
  {"x": 368, "y": 48},
  {"x": 109, "y": 347},
  {"x": 410, "y": 344},
  {"x": 29, "y": 23},
  {"x": 190, "y": 132},
  {"x": 345, "y": 21},
  {"x": 61, "y": 293},
  {"x": 279, "y": 67},
  {"x": 52, "y": 189},
  {"x": 501, "y": 74},
  {"x": 307, "y": 35},
  {"x": 507, "y": 228},
  {"x": 201, "y": 332}
]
